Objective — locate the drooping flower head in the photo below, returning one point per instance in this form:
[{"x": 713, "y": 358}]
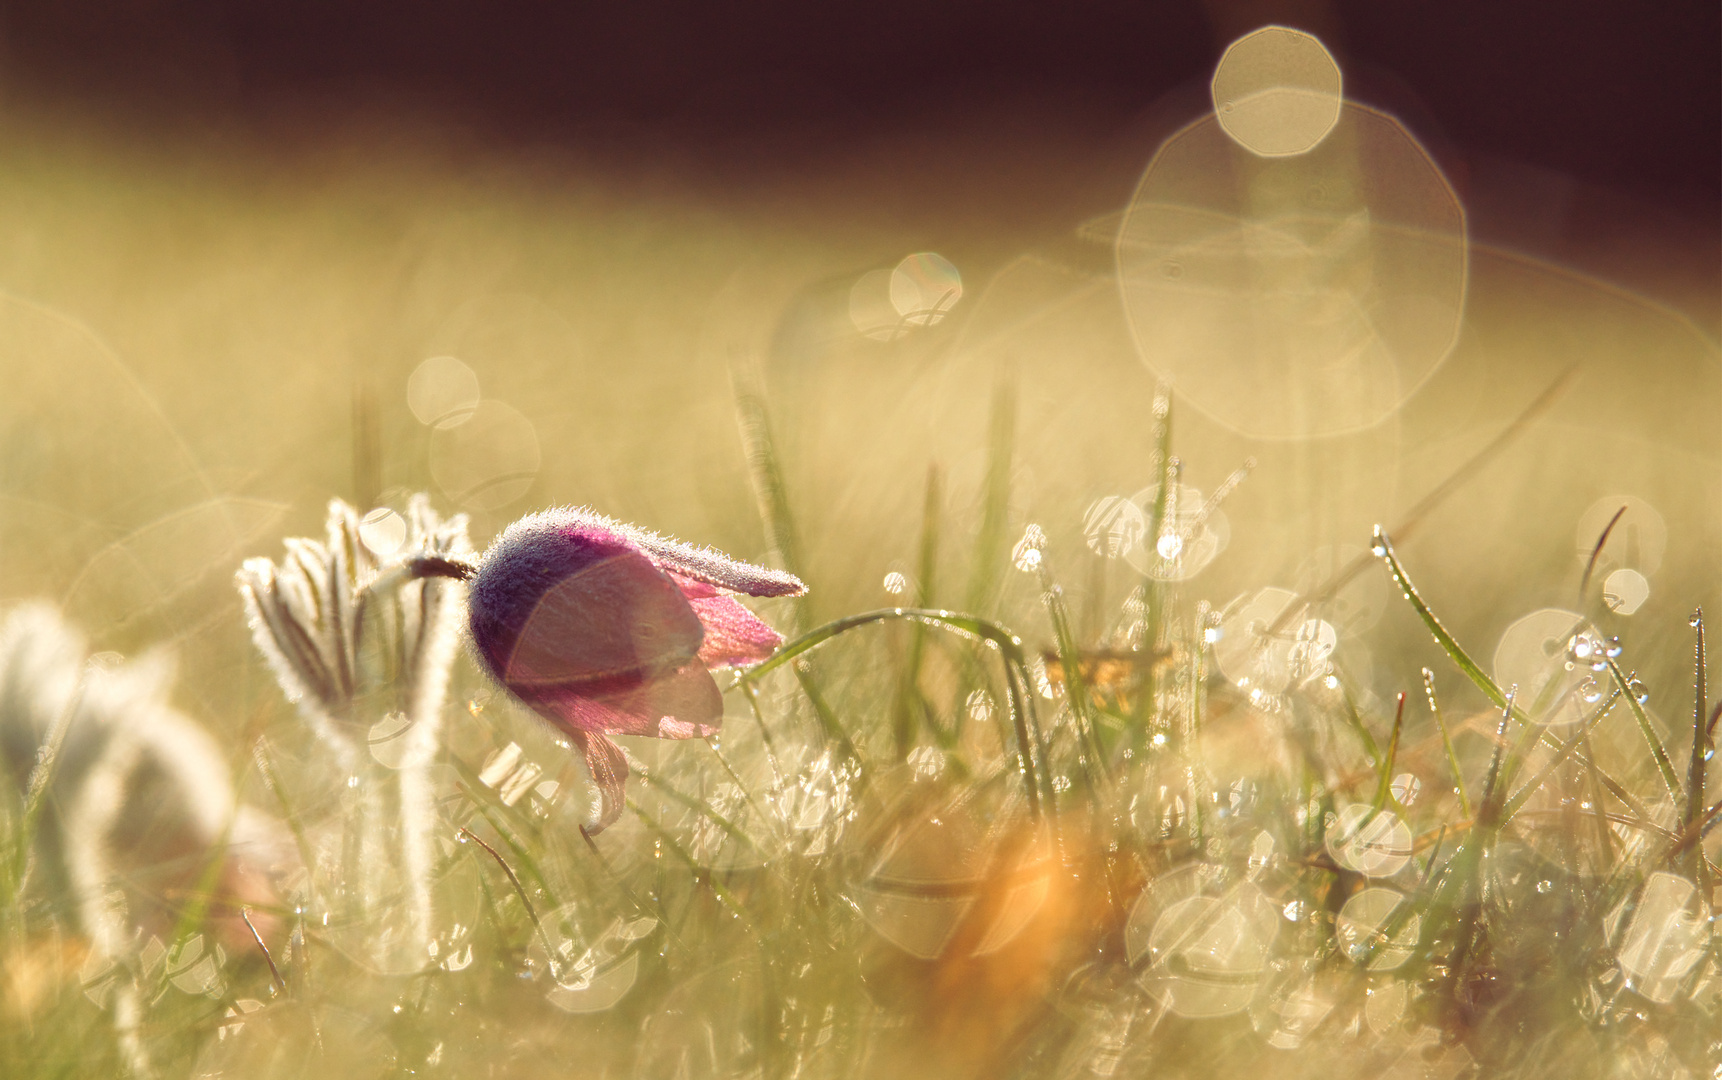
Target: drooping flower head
[{"x": 607, "y": 629}]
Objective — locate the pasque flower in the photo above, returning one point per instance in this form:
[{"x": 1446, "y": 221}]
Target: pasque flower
[{"x": 607, "y": 629}]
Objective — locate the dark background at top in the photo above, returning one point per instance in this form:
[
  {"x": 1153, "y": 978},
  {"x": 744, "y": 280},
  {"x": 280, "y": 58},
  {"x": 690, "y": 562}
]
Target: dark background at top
[{"x": 1622, "y": 93}]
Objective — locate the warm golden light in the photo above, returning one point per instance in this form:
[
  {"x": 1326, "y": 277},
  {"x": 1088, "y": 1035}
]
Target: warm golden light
[{"x": 1277, "y": 92}]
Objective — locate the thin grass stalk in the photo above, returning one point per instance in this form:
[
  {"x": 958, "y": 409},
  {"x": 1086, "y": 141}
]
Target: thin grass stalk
[
  {"x": 1446, "y": 742},
  {"x": 1567, "y": 749},
  {"x": 525, "y": 901},
  {"x": 989, "y": 551},
  {"x": 1420, "y": 512},
  {"x": 1596, "y": 553},
  {"x": 1383, "y": 548},
  {"x": 1150, "y": 594},
  {"x": 833, "y": 728},
  {"x": 1664, "y": 767},
  {"x": 910, "y": 704},
  {"x": 1695, "y": 768},
  {"x": 1093, "y": 755},
  {"x": 1011, "y": 654},
  {"x": 1384, "y": 787}
]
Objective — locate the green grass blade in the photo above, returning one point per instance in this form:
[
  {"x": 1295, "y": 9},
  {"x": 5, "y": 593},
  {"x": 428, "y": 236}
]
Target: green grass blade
[
  {"x": 833, "y": 727},
  {"x": 1384, "y": 787},
  {"x": 1567, "y": 749},
  {"x": 1663, "y": 765},
  {"x": 1075, "y": 686},
  {"x": 1383, "y": 547},
  {"x": 910, "y": 706},
  {"x": 1695, "y": 768},
  {"x": 1446, "y": 742},
  {"x": 1030, "y": 743}
]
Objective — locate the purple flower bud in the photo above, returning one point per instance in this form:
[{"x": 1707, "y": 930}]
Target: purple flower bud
[{"x": 606, "y": 629}]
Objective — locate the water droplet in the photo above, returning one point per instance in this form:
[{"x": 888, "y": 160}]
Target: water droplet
[
  {"x": 1192, "y": 533},
  {"x": 896, "y": 584},
  {"x": 1546, "y": 654},
  {"x": 1026, "y": 555},
  {"x": 1360, "y": 929}
]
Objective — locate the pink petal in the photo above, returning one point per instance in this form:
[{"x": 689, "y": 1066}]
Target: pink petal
[
  {"x": 692, "y": 588},
  {"x": 618, "y": 616},
  {"x": 714, "y": 567},
  {"x": 734, "y": 636},
  {"x": 684, "y": 704},
  {"x": 609, "y": 769}
]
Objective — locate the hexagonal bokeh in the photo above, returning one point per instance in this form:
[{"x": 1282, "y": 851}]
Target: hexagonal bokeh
[{"x": 1294, "y": 296}]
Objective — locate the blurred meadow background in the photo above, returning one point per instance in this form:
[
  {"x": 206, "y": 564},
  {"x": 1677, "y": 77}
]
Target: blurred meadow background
[{"x": 872, "y": 322}]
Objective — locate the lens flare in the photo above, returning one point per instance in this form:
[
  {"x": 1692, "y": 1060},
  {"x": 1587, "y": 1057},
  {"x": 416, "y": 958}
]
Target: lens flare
[
  {"x": 1277, "y": 91},
  {"x": 1294, "y": 296}
]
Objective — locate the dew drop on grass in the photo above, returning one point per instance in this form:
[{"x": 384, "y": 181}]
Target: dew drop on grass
[
  {"x": 1192, "y": 534},
  {"x": 1361, "y": 929},
  {"x": 1026, "y": 555},
  {"x": 1548, "y": 654}
]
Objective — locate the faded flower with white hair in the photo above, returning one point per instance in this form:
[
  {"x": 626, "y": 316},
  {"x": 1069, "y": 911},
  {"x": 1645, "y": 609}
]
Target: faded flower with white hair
[
  {"x": 362, "y": 639},
  {"x": 133, "y": 800}
]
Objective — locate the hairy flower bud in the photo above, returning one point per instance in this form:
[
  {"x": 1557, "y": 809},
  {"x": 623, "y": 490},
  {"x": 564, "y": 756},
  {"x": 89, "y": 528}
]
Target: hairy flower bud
[{"x": 606, "y": 629}]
